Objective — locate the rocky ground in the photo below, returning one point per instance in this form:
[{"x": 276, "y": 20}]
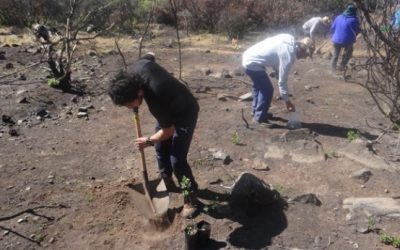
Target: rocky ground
[{"x": 67, "y": 158}]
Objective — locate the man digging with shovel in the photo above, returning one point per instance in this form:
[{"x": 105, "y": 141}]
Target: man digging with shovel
[{"x": 175, "y": 110}]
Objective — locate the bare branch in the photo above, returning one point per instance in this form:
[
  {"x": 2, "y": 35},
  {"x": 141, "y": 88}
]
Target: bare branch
[
  {"x": 120, "y": 53},
  {"x": 146, "y": 30},
  {"x": 174, "y": 10}
]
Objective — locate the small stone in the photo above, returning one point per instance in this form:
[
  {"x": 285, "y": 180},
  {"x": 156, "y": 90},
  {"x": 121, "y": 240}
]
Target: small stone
[
  {"x": 363, "y": 229},
  {"x": 28, "y": 188},
  {"x": 355, "y": 245},
  {"x": 51, "y": 240},
  {"x": 362, "y": 174},
  {"x": 6, "y": 232},
  {"x": 9, "y": 66},
  {"x": 83, "y": 109},
  {"x": 386, "y": 191},
  {"x": 221, "y": 97},
  {"x": 82, "y": 114},
  {"x": 32, "y": 236},
  {"x": 20, "y": 220},
  {"x": 362, "y": 186},
  {"x": 246, "y": 97},
  {"x": 308, "y": 199}
]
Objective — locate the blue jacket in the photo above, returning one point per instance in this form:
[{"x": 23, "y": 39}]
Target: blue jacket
[{"x": 345, "y": 29}]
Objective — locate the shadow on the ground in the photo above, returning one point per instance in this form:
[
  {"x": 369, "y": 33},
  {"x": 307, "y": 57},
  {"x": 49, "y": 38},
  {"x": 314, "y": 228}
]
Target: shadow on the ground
[
  {"x": 259, "y": 224},
  {"x": 336, "y": 131}
]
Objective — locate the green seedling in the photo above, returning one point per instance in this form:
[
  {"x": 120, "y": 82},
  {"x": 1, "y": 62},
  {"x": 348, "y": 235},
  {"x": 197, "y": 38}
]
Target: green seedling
[
  {"x": 352, "y": 135},
  {"x": 236, "y": 138},
  {"x": 214, "y": 204},
  {"x": 371, "y": 222},
  {"x": 280, "y": 189},
  {"x": 185, "y": 187},
  {"x": 89, "y": 196},
  {"x": 390, "y": 240},
  {"x": 52, "y": 82}
]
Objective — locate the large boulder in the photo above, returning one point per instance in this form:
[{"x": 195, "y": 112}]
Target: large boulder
[{"x": 249, "y": 193}]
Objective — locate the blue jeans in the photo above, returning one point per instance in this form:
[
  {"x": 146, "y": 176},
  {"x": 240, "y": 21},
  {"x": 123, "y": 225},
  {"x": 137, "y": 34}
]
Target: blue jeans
[
  {"x": 262, "y": 94},
  {"x": 172, "y": 153}
]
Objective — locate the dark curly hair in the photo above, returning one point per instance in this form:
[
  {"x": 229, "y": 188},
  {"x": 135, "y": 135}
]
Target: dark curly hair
[{"x": 124, "y": 88}]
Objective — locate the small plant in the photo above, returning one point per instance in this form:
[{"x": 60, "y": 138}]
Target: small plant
[
  {"x": 236, "y": 138},
  {"x": 198, "y": 162},
  {"x": 185, "y": 187},
  {"x": 52, "y": 82},
  {"x": 390, "y": 240},
  {"x": 89, "y": 196},
  {"x": 191, "y": 230},
  {"x": 212, "y": 206},
  {"x": 330, "y": 154},
  {"x": 371, "y": 222},
  {"x": 352, "y": 135},
  {"x": 280, "y": 189}
]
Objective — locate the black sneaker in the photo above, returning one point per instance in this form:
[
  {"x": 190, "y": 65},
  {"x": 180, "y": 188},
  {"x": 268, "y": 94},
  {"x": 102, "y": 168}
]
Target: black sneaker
[
  {"x": 265, "y": 124},
  {"x": 170, "y": 184}
]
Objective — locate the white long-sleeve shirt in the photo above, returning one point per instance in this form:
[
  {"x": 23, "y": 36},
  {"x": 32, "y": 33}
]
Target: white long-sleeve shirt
[
  {"x": 312, "y": 26},
  {"x": 278, "y": 52}
]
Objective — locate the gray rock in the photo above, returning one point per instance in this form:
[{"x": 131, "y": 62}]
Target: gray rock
[
  {"x": 362, "y": 174},
  {"x": 362, "y": 229},
  {"x": 91, "y": 52},
  {"x": 308, "y": 199},
  {"x": 82, "y": 114},
  {"x": 83, "y": 109},
  {"x": 206, "y": 71},
  {"x": 357, "y": 151},
  {"x": 225, "y": 74},
  {"x": 295, "y": 135},
  {"x": 238, "y": 72},
  {"x": 249, "y": 193},
  {"x": 222, "y": 97},
  {"x": 246, "y": 97},
  {"x": 22, "y": 99},
  {"x": 275, "y": 152},
  {"x": 304, "y": 151},
  {"x": 219, "y": 155},
  {"x": 374, "y": 206}
]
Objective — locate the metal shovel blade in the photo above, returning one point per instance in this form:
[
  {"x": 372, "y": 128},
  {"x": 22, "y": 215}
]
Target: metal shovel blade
[{"x": 159, "y": 198}]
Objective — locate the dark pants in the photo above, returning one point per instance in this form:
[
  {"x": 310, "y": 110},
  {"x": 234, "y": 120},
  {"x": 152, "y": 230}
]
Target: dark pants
[
  {"x": 172, "y": 153},
  {"x": 348, "y": 52},
  {"x": 262, "y": 94}
]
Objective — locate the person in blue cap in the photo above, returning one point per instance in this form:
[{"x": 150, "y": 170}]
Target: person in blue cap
[
  {"x": 396, "y": 19},
  {"x": 344, "y": 31}
]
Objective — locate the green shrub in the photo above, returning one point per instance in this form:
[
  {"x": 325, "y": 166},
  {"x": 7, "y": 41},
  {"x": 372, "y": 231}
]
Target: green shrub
[
  {"x": 52, "y": 82},
  {"x": 352, "y": 135}
]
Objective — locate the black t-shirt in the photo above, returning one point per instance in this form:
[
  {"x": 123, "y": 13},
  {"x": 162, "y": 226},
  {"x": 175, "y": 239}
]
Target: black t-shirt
[{"x": 167, "y": 98}]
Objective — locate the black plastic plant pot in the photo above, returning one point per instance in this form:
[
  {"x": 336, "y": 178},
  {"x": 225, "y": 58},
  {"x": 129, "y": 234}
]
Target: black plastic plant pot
[
  {"x": 204, "y": 231},
  {"x": 191, "y": 237}
]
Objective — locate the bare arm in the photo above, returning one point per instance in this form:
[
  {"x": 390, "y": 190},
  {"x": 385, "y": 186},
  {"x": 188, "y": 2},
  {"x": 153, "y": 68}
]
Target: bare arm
[{"x": 159, "y": 136}]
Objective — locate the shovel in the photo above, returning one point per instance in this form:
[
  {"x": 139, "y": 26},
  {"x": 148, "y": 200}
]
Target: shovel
[{"x": 156, "y": 198}]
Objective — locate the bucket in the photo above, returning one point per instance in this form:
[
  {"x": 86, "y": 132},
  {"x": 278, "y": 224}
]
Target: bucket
[
  {"x": 294, "y": 120},
  {"x": 204, "y": 231},
  {"x": 191, "y": 237}
]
